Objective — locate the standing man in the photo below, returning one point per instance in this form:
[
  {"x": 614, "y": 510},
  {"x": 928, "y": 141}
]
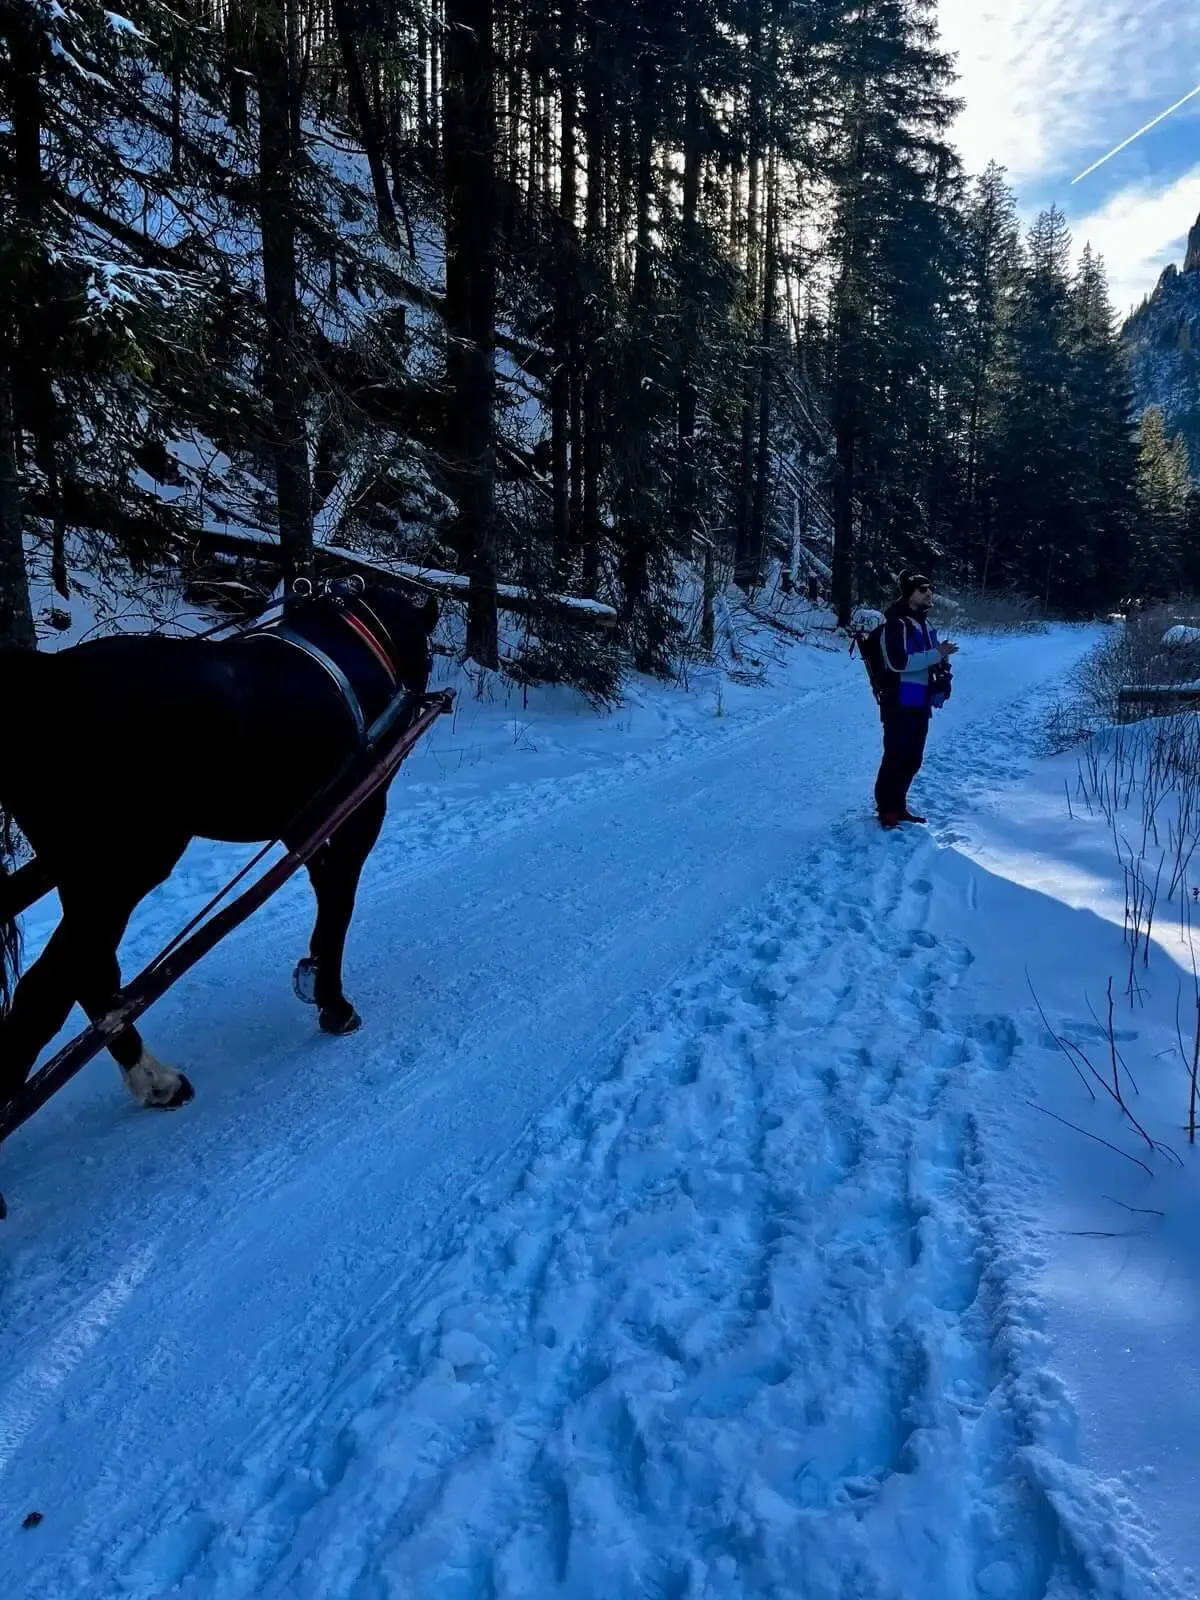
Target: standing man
[{"x": 916, "y": 682}]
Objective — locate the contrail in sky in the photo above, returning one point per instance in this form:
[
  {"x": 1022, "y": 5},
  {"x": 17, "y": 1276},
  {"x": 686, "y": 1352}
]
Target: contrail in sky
[{"x": 1125, "y": 142}]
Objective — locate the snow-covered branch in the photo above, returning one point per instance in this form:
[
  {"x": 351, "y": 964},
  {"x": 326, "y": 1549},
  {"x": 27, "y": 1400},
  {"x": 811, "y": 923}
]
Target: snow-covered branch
[
  {"x": 509, "y": 596},
  {"x": 359, "y": 467}
]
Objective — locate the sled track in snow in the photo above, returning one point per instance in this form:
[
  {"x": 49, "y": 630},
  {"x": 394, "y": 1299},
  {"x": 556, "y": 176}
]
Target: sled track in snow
[{"x": 741, "y": 1329}]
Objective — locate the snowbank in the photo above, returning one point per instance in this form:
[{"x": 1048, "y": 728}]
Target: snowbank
[{"x": 1078, "y": 892}]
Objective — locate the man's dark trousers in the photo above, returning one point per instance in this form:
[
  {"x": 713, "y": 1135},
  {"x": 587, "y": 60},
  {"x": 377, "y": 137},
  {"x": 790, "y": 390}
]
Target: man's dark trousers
[{"x": 905, "y": 729}]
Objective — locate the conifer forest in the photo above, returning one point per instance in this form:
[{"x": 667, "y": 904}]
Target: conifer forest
[{"x": 590, "y": 306}]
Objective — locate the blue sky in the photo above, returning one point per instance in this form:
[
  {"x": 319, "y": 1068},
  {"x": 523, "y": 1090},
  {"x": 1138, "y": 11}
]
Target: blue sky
[{"x": 1050, "y": 85}]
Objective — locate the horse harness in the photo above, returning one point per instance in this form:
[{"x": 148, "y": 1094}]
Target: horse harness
[{"x": 338, "y": 630}]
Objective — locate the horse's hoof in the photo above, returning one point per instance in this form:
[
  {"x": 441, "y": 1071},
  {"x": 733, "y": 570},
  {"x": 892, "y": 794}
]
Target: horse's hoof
[
  {"x": 180, "y": 1096},
  {"x": 184, "y": 1093},
  {"x": 340, "y": 1020},
  {"x": 155, "y": 1087},
  {"x": 304, "y": 981}
]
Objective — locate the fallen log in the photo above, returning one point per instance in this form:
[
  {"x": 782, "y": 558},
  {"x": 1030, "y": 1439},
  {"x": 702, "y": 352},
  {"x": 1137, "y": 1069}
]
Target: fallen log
[
  {"x": 776, "y": 622},
  {"x": 334, "y": 561},
  {"x": 1158, "y": 697}
]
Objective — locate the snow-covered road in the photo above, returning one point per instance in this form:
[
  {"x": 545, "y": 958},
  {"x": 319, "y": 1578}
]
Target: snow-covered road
[{"x": 639, "y": 1245}]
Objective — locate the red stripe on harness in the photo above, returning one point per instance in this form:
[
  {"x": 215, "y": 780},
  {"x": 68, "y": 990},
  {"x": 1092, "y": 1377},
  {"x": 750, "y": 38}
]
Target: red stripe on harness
[{"x": 372, "y": 643}]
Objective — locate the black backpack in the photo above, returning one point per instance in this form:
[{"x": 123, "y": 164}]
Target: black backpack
[{"x": 870, "y": 648}]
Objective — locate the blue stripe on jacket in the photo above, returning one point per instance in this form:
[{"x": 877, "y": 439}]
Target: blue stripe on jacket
[{"x": 909, "y": 650}]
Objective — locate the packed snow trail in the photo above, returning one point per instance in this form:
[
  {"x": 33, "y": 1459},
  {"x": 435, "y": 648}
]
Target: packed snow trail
[{"x": 738, "y": 1331}]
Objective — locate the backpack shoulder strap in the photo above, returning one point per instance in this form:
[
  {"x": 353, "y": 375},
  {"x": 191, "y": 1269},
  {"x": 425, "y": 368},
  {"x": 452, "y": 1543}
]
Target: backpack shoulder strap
[{"x": 924, "y": 631}]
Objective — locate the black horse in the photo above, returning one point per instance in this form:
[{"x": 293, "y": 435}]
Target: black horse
[{"x": 115, "y": 753}]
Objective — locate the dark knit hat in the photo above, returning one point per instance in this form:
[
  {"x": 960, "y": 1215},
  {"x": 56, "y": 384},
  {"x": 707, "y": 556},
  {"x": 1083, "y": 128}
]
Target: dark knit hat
[{"x": 913, "y": 580}]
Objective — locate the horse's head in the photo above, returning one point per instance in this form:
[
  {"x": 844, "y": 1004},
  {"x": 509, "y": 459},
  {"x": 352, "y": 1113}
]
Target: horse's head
[{"x": 409, "y": 626}]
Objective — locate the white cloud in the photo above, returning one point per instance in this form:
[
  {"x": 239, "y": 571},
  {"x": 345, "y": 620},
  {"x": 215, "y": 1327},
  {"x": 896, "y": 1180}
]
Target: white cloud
[
  {"x": 1051, "y": 85},
  {"x": 1139, "y": 231},
  {"x": 1047, "y": 82}
]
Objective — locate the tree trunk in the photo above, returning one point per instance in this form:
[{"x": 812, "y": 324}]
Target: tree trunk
[
  {"x": 177, "y": 109},
  {"x": 233, "y": 68},
  {"x": 708, "y": 628},
  {"x": 285, "y": 383},
  {"x": 846, "y": 424},
  {"x": 566, "y": 270},
  {"x": 735, "y": 190},
  {"x": 744, "y": 553},
  {"x": 349, "y": 27},
  {"x": 16, "y": 614},
  {"x": 33, "y": 401},
  {"x": 423, "y": 117},
  {"x": 845, "y": 429},
  {"x": 295, "y": 70},
  {"x": 843, "y": 517},
  {"x": 621, "y": 180},
  {"x": 547, "y": 184},
  {"x": 847, "y": 378},
  {"x": 437, "y": 22},
  {"x": 26, "y": 60},
  {"x": 469, "y": 141},
  {"x": 516, "y": 132},
  {"x": 591, "y": 397},
  {"x": 636, "y": 525},
  {"x": 988, "y": 550},
  {"x": 645, "y": 184},
  {"x": 690, "y": 312},
  {"x": 793, "y": 566},
  {"x": 758, "y": 518},
  {"x": 756, "y": 141}
]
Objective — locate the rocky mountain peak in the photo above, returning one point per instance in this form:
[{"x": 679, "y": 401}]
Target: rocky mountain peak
[
  {"x": 1162, "y": 342},
  {"x": 1191, "y": 261}
]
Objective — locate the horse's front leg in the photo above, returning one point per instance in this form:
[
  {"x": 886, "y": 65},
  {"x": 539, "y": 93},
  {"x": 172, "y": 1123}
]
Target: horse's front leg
[
  {"x": 335, "y": 872},
  {"x": 149, "y": 1081}
]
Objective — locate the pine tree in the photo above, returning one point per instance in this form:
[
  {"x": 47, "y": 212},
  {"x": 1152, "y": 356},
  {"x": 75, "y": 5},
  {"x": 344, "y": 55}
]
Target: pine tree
[
  {"x": 1103, "y": 504},
  {"x": 888, "y": 241},
  {"x": 275, "y": 54},
  {"x": 1033, "y": 460},
  {"x": 1161, "y": 562},
  {"x": 16, "y": 612},
  {"x": 992, "y": 274},
  {"x": 83, "y": 327}
]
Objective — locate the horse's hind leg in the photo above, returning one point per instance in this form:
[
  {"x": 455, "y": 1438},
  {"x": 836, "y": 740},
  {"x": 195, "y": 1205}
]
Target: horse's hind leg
[
  {"x": 335, "y": 872},
  {"x": 40, "y": 1006},
  {"x": 80, "y": 964}
]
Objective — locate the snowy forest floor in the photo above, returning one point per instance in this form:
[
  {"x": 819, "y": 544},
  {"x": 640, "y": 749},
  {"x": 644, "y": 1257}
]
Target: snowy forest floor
[{"x": 677, "y": 1226}]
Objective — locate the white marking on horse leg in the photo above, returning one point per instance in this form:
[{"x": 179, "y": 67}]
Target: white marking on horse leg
[{"x": 150, "y": 1083}]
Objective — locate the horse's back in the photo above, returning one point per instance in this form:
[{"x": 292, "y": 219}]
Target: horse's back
[
  {"x": 137, "y": 732},
  {"x": 116, "y": 696}
]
